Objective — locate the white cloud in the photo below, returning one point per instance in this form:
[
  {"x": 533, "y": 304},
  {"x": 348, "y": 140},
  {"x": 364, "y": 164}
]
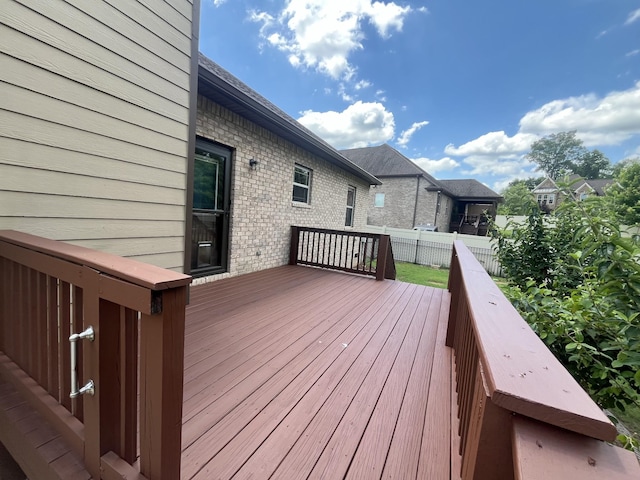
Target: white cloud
[
  {"x": 405, "y": 136},
  {"x": 632, "y": 53},
  {"x": 342, "y": 91},
  {"x": 386, "y": 16},
  {"x": 322, "y": 35},
  {"x": 609, "y": 120},
  {"x": 494, "y": 145},
  {"x": 362, "y": 84},
  {"x": 511, "y": 167},
  {"x": 359, "y": 125},
  {"x": 632, "y": 17},
  {"x": 433, "y": 166},
  {"x": 217, "y": 3},
  {"x": 599, "y": 121}
]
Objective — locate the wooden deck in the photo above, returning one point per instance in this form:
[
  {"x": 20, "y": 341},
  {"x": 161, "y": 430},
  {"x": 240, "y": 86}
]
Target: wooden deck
[{"x": 298, "y": 372}]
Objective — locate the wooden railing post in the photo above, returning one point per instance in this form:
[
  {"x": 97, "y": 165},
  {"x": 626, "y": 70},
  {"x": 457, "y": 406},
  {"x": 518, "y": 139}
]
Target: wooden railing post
[
  {"x": 383, "y": 251},
  {"x": 161, "y": 377},
  {"x": 293, "y": 249},
  {"x": 52, "y": 290},
  {"x": 502, "y": 368},
  {"x": 390, "y": 267}
]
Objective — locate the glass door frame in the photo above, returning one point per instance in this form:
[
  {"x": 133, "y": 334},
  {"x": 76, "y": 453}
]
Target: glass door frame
[{"x": 223, "y": 234}]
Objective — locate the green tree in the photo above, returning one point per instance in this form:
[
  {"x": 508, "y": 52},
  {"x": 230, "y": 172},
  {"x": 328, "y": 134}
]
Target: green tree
[
  {"x": 563, "y": 153},
  {"x": 518, "y": 199},
  {"x": 582, "y": 296},
  {"x": 593, "y": 164},
  {"x": 556, "y": 154},
  {"x": 622, "y": 164},
  {"x": 626, "y": 194}
]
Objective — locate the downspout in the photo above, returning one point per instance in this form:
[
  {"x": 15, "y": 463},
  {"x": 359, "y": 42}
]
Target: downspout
[
  {"x": 435, "y": 218},
  {"x": 415, "y": 207}
]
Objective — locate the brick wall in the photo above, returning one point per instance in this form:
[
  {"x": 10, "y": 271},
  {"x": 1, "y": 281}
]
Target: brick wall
[
  {"x": 262, "y": 211},
  {"x": 400, "y": 202}
]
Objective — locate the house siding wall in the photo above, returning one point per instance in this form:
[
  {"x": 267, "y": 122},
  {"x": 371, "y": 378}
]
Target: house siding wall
[
  {"x": 400, "y": 202},
  {"x": 94, "y": 123},
  {"x": 262, "y": 211}
]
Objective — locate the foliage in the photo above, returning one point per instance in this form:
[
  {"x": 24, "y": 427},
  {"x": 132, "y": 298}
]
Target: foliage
[
  {"x": 526, "y": 252},
  {"x": 555, "y": 154},
  {"x": 593, "y": 164},
  {"x": 626, "y": 194},
  {"x": 517, "y": 197},
  {"x": 563, "y": 153},
  {"x": 576, "y": 281},
  {"x": 622, "y": 164}
]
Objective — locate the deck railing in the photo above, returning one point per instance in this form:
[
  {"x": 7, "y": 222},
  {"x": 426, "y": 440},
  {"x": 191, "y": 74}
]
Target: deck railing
[
  {"x": 514, "y": 399},
  {"x": 354, "y": 252},
  {"x": 51, "y": 290}
]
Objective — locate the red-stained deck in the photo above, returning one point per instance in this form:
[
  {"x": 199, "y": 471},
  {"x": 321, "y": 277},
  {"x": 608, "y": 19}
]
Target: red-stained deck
[{"x": 298, "y": 372}]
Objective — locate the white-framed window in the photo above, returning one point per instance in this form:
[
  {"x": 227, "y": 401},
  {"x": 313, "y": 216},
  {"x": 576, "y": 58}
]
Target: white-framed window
[
  {"x": 351, "y": 206},
  {"x": 301, "y": 184},
  {"x": 552, "y": 198},
  {"x": 583, "y": 196},
  {"x": 539, "y": 198},
  {"x": 379, "y": 200}
]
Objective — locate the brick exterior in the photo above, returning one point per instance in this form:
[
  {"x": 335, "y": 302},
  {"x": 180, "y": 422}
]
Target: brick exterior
[
  {"x": 400, "y": 203},
  {"x": 262, "y": 210}
]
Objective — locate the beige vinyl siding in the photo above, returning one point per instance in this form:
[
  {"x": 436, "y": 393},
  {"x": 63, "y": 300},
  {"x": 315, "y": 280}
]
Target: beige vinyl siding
[{"x": 94, "y": 121}]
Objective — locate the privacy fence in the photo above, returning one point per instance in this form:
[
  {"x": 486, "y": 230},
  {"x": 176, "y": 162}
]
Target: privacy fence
[{"x": 434, "y": 248}]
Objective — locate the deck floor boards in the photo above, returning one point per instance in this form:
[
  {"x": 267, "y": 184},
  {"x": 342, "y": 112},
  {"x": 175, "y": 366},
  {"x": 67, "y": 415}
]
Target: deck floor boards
[{"x": 298, "y": 372}]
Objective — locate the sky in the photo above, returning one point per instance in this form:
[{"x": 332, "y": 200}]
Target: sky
[{"x": 460, "y": 88}]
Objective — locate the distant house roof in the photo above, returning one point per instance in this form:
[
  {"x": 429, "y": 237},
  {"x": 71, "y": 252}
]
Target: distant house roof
[
  {"x": 385, "y": 161},
  {"x": 220, "y": 86},
  {"x": 598, "y": 185},
  {"x": 469, "y": 189}
]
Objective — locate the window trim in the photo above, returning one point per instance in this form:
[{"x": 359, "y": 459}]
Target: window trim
[
  {"x": 350, "y": 188},
  {"x": 375, "y": 200},
  {"x": 301, "y": 185}
]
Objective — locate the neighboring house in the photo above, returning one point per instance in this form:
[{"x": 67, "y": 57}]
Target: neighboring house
[
  {"x": 105, "y": 143},
  {"x": 409, "y": 196},
  {"x": 474, "y": 204},
  {"x": 549, "y": 196}
]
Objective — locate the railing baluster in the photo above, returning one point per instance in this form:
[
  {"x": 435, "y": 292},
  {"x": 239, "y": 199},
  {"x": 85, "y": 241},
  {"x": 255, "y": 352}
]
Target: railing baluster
[
  {"x": 339, "y": 250},
  {"x": 50, "y": 290},
  {"x": 64, "y": 298}
]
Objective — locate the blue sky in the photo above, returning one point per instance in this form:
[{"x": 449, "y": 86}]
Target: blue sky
[{"x": 461, "y": 88}]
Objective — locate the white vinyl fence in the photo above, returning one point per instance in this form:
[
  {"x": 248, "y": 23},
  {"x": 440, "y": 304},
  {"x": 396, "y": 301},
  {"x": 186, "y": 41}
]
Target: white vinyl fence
[{"x": 434, "y": 248}]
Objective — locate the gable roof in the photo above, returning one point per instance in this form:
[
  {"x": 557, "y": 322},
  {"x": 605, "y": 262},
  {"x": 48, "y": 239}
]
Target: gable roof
[
  {"x": 218, "y": 85},
  {"x": 386, "y": 161},
  {"x": 598, "y": 185},
  {"x": 470, "y": 189}
]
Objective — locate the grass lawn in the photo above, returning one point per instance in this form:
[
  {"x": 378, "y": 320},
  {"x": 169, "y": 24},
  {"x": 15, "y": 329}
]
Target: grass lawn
[
  {"x": 421, "y": 275},
  {"x": 432, "y": 277}
]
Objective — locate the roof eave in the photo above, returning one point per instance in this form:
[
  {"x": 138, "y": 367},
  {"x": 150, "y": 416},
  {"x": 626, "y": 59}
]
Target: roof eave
[{"x": 271, "y": 121}]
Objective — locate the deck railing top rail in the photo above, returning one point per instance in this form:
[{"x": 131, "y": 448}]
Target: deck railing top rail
[
  {"x": 129, "y": 426},
  {"x": 522, "y": 374},
  {"x": 362, "y": 253},
  {"x": 141, "y": 274}
]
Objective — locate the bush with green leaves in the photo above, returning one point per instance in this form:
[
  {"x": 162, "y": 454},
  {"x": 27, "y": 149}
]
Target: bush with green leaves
[{"x": 582, "y": 294}]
